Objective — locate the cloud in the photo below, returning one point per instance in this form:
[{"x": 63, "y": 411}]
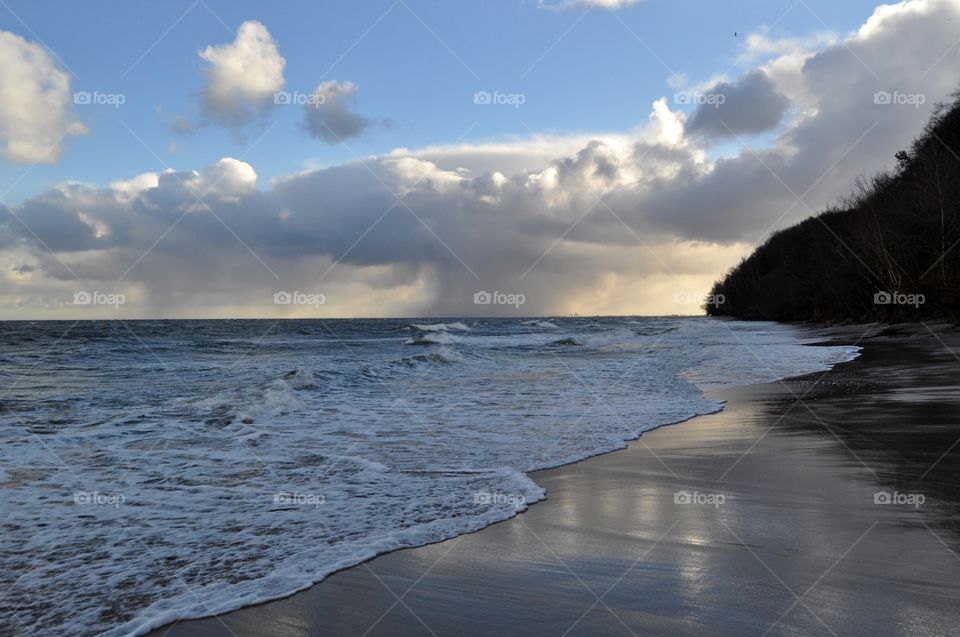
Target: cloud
[
  {"x": 242, "y": 77},
  {"x": 584, "y": 4},
  {"x": 459, "y": 230},
  {"x": 228, "y": 180},
  {"x": 839, "y": 133},
  {"x": 35, "y": 103},
  {"x": 182, "y": 126},
  {"x": 749, "y": 105},
  {"x": 611, "y": 223},
  {"x": 328, "y": 115},
  {"x": 126, "y": 190}
]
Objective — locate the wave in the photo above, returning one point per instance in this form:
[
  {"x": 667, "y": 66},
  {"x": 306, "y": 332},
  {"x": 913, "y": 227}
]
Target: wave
[
  {"x": 434, "y": 338},
  {"x": 363, "y": 464},
  {"x": 546, "y": 325},
  {"x": 496, "y": 495},
  {"x": 608, "y": 338},
  {"x": 443, "y": 356},
  {"x": 276, "y": 398},
  {"x": 442, "y": 327},
  {"x": 300, "y": 379}
]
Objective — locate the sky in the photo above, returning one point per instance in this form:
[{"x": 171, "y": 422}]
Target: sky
[{"x": 411, "y": 158}]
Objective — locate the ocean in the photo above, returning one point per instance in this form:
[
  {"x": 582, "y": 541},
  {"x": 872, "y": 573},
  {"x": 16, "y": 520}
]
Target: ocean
[{"x": 158, "y": 470}]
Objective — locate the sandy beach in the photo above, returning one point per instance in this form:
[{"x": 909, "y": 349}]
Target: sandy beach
[{"x": 823, "y": 505}]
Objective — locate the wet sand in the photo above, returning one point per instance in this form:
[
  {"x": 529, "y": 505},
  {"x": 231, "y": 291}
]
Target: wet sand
[{"x": 781, "y": 533}]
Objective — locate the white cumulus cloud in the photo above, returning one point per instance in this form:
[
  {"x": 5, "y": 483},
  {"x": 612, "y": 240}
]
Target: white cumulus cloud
[
  {"x": 36, "y": 110},
  {"x": 242, "y": 76}
]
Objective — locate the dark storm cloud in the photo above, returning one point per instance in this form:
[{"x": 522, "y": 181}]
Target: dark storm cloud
[
  {"x": 749, "y": 105},
  {"x": 329, "y": 114}
]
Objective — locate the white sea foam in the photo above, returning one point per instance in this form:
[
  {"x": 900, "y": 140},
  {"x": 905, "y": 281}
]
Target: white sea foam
[
  {"x": 441, "y": 327},
  {"x": 546, "y": 325}
]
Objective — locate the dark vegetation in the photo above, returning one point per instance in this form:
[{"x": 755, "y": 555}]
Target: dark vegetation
[{"x": 897, "y": 235}]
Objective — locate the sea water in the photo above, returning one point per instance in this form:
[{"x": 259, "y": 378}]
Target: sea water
[{"x": 157, "y": 470}]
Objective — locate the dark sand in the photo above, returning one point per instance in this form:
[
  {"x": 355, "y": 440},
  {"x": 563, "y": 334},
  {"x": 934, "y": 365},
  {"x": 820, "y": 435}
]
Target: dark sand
[{"x": 798, "y": 547}]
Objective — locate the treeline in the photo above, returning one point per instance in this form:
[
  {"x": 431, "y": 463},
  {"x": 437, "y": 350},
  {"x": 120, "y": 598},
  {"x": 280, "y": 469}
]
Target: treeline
[{"x": 887, "y": 252}]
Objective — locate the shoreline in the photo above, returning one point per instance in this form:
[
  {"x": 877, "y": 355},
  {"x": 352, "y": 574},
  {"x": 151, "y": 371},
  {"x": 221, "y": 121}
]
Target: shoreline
[{"x": 356, "y": 588}]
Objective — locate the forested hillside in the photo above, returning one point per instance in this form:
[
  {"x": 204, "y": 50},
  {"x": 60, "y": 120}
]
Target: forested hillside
[{"x": 887, "y": 252}]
